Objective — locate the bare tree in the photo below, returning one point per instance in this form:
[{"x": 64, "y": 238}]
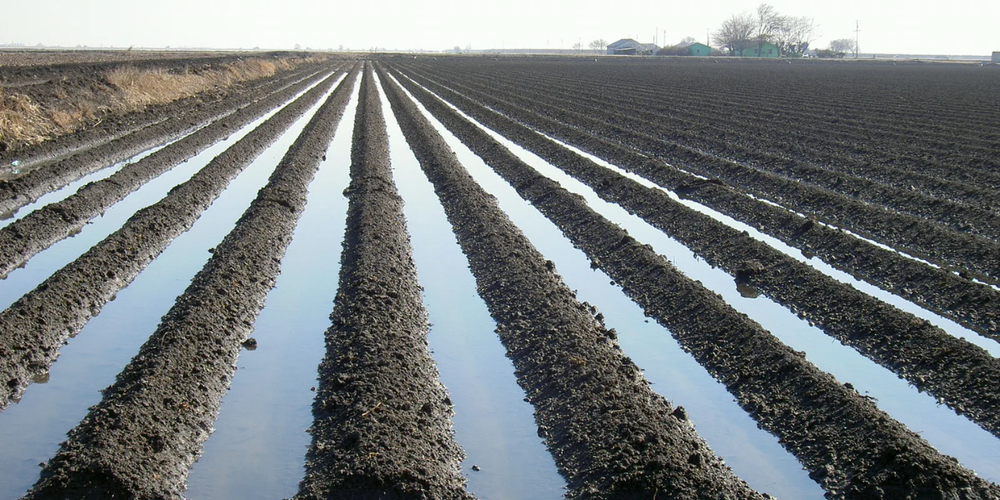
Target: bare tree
[
  {"x": 736, "y": 33},
  {"x": 598, "y": 45},
  {"x": 688, "y": 39},
  {"x": 844, "y": 46},
  {"x": 577, "y": 46},
  {"x": 795, "y": 34},
  {"x": 769, "y": 22}
]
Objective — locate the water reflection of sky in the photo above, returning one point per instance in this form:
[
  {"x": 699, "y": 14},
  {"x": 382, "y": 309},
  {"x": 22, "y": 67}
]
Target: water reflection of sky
[
  {"x": 950, "y": 433},
  {"x": 493, "y": 423},
  {"x": 30, "y": 431}
]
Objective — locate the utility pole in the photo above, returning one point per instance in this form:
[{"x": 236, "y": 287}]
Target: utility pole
[{"x": 857, "y": 44}]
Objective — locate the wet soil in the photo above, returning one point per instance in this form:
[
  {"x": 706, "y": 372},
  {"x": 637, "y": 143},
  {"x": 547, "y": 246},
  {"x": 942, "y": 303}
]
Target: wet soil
[
  {"x": 853, "y": 449},
  {"x": 382, "y": 418},
  {"x": 570, "y": 366},
  {"x": 951, "y": 245},
  {"x": 21, "y": 239},
  {"x": 954, "y": 370},
  {"x": 34, "y": 328},
  {"x": 383, "y": 421},
  {"x": 141, "y": 439},
  {"x": 972, "y": 304}
]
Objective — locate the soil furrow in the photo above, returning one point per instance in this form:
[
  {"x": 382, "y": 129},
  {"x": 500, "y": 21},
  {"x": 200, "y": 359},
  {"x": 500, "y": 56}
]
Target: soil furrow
[
  {"x": 731, "y": 142},
  {"x": 974, "y": 305},
  {"x": 954, "y": 370},
  {"x": 382, "y": 424},
  {"x": 850, "y": 446},
  {"x": 948, "y": 248},
  {"x": 141, "y": 439},
  {"x": 854, "y": 149},
  {"x": 571, "y": 367},
  {"x": 18, "y": 192},
  {"x": 22, "y": 239},
  {"x": 33, "y": 329}
]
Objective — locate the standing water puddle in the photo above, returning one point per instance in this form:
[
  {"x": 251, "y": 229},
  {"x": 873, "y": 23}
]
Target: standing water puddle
[
  {"x": 493, "y": 423},
  {"x": 259, "y": 446},
  {"x": 31, "y": 430},
  {"x": 952, "y": 434}
]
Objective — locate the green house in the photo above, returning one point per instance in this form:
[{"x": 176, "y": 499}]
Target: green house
[
  {"x": 696, "y": 49},
  {"x": 761, "y": 50}
]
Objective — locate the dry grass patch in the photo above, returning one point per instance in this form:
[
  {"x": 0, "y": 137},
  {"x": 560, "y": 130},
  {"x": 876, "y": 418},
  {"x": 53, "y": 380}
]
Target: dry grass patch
[
  {"x": 24, "y": 122},
  {"x": 21, "y": 120}
]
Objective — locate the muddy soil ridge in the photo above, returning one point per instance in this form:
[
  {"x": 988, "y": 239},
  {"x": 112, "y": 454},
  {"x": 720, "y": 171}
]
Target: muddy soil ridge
[
  {"x": 143, "y": 436},
  {"x": 570, "y": 366},
  {"x": 382, "y": 418},
  {"x": 186, "y": 117},
  {"x": 34, "y": 328},
  {"x": 953, "y": 370},
  {"x": 853, "y": 449},
  {"x": 949, "y": 247},
  {"x": 47, "y": 83},
  {"x": 22, "y": 239},
  {"x": 972, "y": 304}
]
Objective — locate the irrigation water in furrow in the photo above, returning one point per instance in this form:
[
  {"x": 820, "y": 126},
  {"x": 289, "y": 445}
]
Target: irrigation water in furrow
[
  {"x": 950, "y": 433},
  {"x": 934, "y": 242},
  {"x": 258, "y": 448},
  {"x": 753, "y": 454},
  {"x": 493, "y": 423},
  {"x": 913, "y": 343},
  {"x": 566, "y": 360},
  {"x": 167, "y": 397},
  {"x": 43, "y": 227},
  {"x": 547, "y": 198},
  {"x": 32, "y": 329},
  {"x": 159, "y": 286},
  {"x": 21, "y": 280}
]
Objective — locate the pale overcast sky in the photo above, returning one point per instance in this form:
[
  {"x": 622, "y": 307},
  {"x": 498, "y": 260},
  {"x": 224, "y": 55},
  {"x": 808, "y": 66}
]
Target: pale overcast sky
[{"x": 959, "y": 27}]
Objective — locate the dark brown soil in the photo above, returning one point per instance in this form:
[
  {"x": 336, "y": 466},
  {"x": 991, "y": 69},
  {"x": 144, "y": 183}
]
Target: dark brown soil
[
  {"x": 382, "y": 418},
  {"x": 143, "y": 436},
  {"x": 952, "y": 244},
  {"x": 851, "y": 447},
  {"x": 34, "y": 328},
  {"x": 572, "y": 369},
  {"x": 954, "y": 370},
  {"x": 22, "y": 239},
  {"x": 975, "y": 305}
]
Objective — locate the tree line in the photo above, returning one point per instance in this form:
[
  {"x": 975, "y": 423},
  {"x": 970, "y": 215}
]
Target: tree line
[{"x": 792, "y": 35}]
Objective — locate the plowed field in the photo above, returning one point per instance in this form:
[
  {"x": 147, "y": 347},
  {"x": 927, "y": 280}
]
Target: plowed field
[{"x": 707, "y": 278}]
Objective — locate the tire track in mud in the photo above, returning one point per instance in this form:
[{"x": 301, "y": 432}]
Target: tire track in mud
[
  {"x": 853, "y": 449},
  {"x": 33, "y": 329},
  {"x": 954, "y": 370},
  {"x": 944, "y": 246},
  {"x": 568, "y": 363},
  {"x": 974, "y": 305},
  {"x": 22, "y": 239},
  {"x": 382, "y": 418},
  {"x": 141, "y": 439},
  {"x": 15, "y": 193}
]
